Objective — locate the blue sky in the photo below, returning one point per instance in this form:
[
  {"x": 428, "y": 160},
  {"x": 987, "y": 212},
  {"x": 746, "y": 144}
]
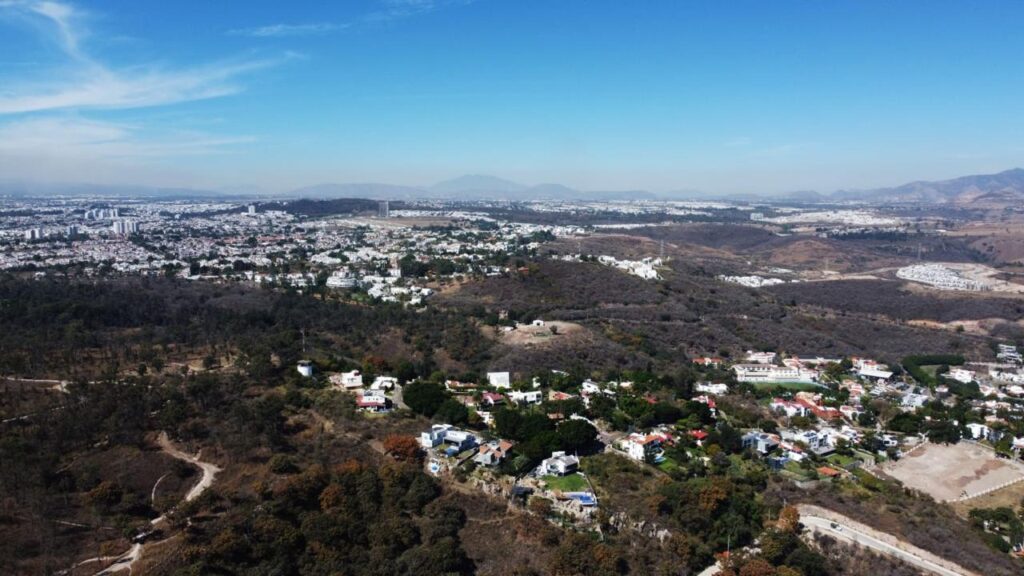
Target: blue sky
[{"x": 753, "y": 97}]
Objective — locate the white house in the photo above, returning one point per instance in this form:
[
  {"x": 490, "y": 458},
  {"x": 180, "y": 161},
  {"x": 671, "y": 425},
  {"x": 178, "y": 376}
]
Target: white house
[
  {"x": 709, "y": 388},
  {"x": 499, "y": 379},
  {"x": 640, "y": 447},
  {"x": 961, "y": 375},
  {"x": 372, "y": 401},
  {"x": 348, "y": 380},
  {"x": 771, "y": 373},
  {"x": 978, "y": 431},
  {"x": 760, "y": 441},
  {"x": 590, "y": 387},
  {"x": 789, "y": 407},
  {"x": 305, "y": 368},
  {"x": 384, "y": 383},
  {"x": 447, "y": 434},
  {"x": 559, "y": 464},
  {"x": 760, "y": 357},
  {"x": 815, "y": 441},
  {"x": 874, "y": 372},
  {"x": 531, "y": 397}
]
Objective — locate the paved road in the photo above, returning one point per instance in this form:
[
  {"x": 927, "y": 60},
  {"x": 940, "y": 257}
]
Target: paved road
[{"x": 848, "y": 534}]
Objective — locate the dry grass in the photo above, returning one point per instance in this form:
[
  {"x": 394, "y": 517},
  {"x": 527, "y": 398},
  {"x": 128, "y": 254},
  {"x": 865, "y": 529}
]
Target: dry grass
[
  {"x": 529, "y": 335},
  {"x": 947, "y": 472},
  {"x": 1010, "y": 497}
]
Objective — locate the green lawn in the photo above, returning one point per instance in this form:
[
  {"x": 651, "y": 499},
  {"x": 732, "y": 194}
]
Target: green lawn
[
  {"x": 668, "y": 465},
  {"x": 567, "y": 483},
  {"x": 840, "y": 460},
  {"x": 795, "y": 469}
]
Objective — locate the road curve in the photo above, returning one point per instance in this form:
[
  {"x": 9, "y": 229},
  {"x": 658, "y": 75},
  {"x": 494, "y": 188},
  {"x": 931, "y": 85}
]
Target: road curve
[
  {"x": 907, "y": 553},
  {"x": 127, "y": 560}
]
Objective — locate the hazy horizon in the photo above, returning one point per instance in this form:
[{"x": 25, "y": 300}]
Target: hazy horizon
[{"x": 749, "y": 98}]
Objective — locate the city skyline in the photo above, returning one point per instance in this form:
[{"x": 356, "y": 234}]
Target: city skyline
[{"x": 738, "y": 99}]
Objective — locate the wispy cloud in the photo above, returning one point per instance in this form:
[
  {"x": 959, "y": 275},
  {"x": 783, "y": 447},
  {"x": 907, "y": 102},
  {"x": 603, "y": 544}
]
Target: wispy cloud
[
  {"x": 289, "y": 30},
  {"x": 92, "y": 84},
  {"x": 137, "y": 87},
  {"x": 388, "y": 11},
  {"x": 73, "y": 137},
  {"x": 398, "y": 9}
]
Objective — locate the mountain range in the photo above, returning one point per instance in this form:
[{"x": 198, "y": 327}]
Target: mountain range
[
  {"x": 976, "y": 191},
  {"x": 984, "y": 191}
]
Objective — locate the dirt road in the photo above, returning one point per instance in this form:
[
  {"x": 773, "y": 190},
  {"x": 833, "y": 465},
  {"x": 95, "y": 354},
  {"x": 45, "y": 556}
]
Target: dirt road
[{"x": 127, "y": 560}]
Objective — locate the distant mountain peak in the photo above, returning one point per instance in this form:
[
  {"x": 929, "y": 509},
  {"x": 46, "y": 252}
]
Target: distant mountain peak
[{"x": 478, "y": 183}]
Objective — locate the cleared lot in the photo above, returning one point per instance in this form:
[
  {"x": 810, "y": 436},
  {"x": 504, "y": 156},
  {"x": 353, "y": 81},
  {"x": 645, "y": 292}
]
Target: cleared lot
[{"x": 952, "y": 472}]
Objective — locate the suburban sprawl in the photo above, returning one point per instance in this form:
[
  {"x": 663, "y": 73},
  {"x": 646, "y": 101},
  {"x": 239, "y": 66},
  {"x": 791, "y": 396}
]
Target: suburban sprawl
[{"x": 622, "y": 386}]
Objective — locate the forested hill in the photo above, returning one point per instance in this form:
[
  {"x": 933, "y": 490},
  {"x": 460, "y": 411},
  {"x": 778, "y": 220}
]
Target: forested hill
[{"x": 68, "y": 329}]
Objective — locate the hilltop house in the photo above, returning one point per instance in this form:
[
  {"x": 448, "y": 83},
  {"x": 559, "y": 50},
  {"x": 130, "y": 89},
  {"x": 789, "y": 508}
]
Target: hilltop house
[
  {"x": 491, "y": 399},
  {"x": 384, "y": 383},
  {"x": 447, "y": 434},
  {"x": 961, "y": 375},
  {"x": 499, "y": 379},
  {"x": 644, "y": 447},
  {"x": 531, "y": 397},
  {"x": 347, "y": 380},
  {"x": 372, "y": 401},
  {"x": 772, "y": 373},
  {"x": 559, "y": 464},
  {"x": 710, "y": 388},
  {"x": 762, "y": 442},
  {"x": 493, "y": 453},
  {"x": 760, "y": 357}
]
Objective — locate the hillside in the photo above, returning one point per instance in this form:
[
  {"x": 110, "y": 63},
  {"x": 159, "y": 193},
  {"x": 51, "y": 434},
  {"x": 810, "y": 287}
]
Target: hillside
[
  {"x": 632, "y": 323},
  {"x": 982, "y": 191}
]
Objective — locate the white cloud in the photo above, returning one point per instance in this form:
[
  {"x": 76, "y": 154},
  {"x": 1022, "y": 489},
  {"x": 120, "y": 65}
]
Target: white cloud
[
  {"x": 73, "y": 137},
  {"x": 397, "y": 9},
  {"x": 91, "y": 84},
  {"x": 102, "y": 88},
  {"x": 288, "y": 30}
]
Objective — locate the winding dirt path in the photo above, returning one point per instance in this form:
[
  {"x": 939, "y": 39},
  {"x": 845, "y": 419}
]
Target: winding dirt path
[{"x": 127, "y": 560}]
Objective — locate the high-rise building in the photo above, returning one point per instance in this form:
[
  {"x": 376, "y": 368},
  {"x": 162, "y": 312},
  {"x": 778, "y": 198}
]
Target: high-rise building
[
  {"x": 124, "y": 227},
  {"x": 71, "y": 230},
  {"x": 33, "y": 234},
  {"x": 102, "y": 213},
  {"x": 383, "y": 209},
  {"x": 252, "y": 208}
]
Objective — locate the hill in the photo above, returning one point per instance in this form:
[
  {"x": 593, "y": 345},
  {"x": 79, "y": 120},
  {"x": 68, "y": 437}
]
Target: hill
[
  {"x": 477, "y": 183},
  {"x": 980, "y": 190}
]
